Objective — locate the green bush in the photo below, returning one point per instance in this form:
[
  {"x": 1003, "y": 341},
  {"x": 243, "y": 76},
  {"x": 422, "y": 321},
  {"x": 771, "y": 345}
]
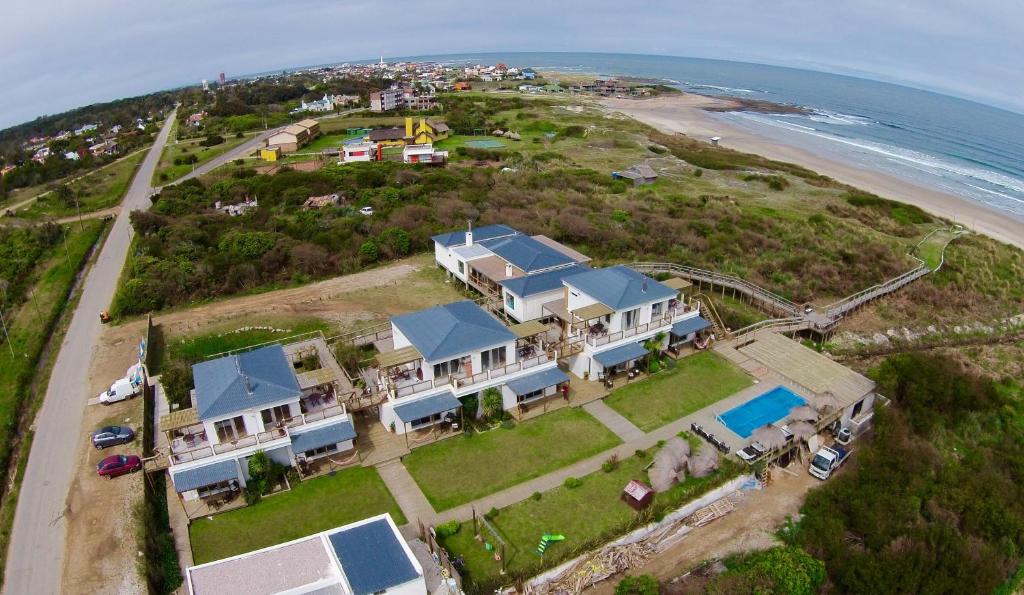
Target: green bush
[
  {"x": 640, "y": 453},
  {"x": 643, "y": 584},
  {"x": 492, "y": 402},
  {"x": 535, "y": 496},
  {"x": 490, "y": 514},
  {"x": 572, "y": 482},
  {"x": 611, "y": 464},
  {"x": 447, "y": 529},
  {"x": 176, "y": 380},
  {"x": 786, "y": 569}
]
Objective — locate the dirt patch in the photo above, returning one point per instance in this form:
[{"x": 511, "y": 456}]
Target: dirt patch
[
  {"x": 346, "y": 302},
  {"x": 100, "y": 548},
  {"x": 751, "y": 526}
]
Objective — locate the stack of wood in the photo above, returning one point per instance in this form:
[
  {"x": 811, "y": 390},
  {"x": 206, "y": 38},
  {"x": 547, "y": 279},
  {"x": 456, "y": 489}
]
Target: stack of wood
[{"x": 595, "y": 568}]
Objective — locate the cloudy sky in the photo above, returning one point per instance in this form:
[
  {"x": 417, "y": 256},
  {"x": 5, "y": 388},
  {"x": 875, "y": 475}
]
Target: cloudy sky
[{"x": 59, "y": 54}]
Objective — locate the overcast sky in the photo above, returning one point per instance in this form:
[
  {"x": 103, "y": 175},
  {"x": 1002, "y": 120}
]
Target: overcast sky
[{"x": 60, "y": 54}]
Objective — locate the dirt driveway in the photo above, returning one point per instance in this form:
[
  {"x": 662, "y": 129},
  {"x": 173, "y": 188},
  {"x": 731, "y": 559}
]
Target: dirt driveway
[
  {"x": 101, "y": 551},
  {"x": 751, "y": 526}
]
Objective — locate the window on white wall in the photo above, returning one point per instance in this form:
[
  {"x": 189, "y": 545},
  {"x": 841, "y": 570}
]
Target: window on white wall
[
  {"x": 630, "y": 318},
  {"x": 510, "y": 301},
  {"x": 492, "y": 358},
  {"x": 656, "y": 309}
]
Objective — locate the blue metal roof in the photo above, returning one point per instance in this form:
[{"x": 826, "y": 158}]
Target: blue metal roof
[
  {"x": 528, "y": 254},
  {"x": 322, "y": 436},
  {"x": 421, "y": 408},
  {"x": 487, "y": 232},
  {"x": 451, "y": 330},
  {"x": 538, "y": 381},
  {"x": 690, "y": 325},
  {"x": 248, "y": 380},
  {"x": 528, "y": 285},
  {"x": 620, "y": 287},
  {"x": 372, "y": 557},
  {"x": 198, "y": 477},
  {"x": 620, "y": 355}
]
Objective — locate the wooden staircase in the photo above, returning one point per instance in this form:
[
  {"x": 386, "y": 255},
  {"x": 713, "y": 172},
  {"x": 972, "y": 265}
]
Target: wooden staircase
[{"x": 707, "y": 307}]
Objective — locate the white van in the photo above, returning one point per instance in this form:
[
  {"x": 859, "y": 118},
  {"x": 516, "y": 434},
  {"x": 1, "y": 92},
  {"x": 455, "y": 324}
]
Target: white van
[{"x": 121, "y": 389}]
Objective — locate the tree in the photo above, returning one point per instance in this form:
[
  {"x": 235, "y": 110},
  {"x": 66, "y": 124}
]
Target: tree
[
  {"x": 259, "y": 469},
  {"x": 369, "y": 251},
  {"x": 493, "y": 406},
  {"x": 398, "y": 240},
  {"x": 65, "y": 194},
  {"x": 177, "y": 382}
]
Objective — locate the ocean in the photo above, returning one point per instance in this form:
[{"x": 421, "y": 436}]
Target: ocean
[{"x": 933, "y": 140}]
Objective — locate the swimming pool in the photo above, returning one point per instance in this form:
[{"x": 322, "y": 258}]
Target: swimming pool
[{"x": 765, "y": 408}]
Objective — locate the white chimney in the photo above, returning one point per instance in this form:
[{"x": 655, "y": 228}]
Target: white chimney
[
  {"x": 643, "y": 286},
  {"x": 508, "y": 269},
  {"x": 469, "y": 233}
]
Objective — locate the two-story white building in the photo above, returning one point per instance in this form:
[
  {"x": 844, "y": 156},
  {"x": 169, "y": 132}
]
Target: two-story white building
[
  {"x": 248, "y": 402},
  {"x": 499, "y": 261},
  {"x": 444, "y": 353},
  {"x": 367, "y": 557},
  {"x": 608, "y": 314}
]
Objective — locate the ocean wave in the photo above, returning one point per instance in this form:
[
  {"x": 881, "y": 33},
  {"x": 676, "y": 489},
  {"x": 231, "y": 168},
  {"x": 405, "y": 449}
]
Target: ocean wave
[
  {"x": 923, "y": 161},
  {"x": 720, "y": 88},
  {"x": 838, "y": 119}
]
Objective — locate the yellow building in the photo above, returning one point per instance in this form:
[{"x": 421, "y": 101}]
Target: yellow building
[
  {"x": 270, "y": 153},
  {"x": 425, "y": 131}
]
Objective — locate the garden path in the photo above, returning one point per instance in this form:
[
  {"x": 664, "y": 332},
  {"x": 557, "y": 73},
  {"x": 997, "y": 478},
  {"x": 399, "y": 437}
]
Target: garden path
[
  {"x": 613, "y": 420},
  {"x": 407, "y": 494}
]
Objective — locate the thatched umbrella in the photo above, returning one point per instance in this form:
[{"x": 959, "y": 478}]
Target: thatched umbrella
[
  {"x": 804, "y": 413},
  {"x": 769, "y": 436},
  {"x": 704, "y": 462},
  {"x": 678, "y": 447},
  {"x": 662, "y": 478},
  {"x": 827, "y": 401},
  {"x": 802, "y": 430}
]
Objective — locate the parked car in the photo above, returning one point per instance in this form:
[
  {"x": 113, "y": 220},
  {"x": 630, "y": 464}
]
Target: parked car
[
  {"x": 121, "y": 389},
  {"x": 112, "y": 436},
  {"x": 366, "y": 211},
  {"x": 116, "y": 465}
]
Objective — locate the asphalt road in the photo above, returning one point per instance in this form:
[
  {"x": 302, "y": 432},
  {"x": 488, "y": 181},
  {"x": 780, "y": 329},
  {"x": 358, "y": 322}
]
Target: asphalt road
[{"x": 36, "y": 552}]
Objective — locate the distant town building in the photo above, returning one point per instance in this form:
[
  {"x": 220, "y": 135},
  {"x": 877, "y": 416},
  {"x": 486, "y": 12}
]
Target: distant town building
[
  {"x": 222, "y": 78},
  {"x": 196, "y": 119},
  {"x": 206, "y": 85},
  {"x": 386, "y": 100}
]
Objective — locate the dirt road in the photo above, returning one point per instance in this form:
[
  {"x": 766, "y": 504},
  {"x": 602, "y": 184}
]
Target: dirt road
[
  {"x": 36, "y": 552},
  {"x": 750, "y": 527}
]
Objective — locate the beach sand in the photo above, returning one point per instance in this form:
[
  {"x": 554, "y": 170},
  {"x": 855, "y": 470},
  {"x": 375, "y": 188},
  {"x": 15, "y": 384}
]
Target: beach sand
[{"x": 685, "y": 114}]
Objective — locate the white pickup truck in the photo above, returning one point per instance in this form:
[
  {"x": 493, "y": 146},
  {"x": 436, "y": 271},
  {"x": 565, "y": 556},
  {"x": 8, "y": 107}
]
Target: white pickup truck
[{"x": 828, "y": 459}]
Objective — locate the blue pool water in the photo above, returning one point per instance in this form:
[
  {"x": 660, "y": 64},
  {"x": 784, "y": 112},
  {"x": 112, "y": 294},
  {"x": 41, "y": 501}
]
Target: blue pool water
[{"x": 766, "y": 408}]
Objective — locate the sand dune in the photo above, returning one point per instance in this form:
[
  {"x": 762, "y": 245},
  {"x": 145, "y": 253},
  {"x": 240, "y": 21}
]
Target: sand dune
[{"x": 685, "y": 114}]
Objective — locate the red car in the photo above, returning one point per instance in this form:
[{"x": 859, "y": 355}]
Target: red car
[{"x": 116, "y": 465}]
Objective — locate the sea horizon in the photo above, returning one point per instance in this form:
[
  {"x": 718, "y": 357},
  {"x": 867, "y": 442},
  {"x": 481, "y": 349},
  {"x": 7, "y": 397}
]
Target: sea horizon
[{"x": 934, "y": 140}]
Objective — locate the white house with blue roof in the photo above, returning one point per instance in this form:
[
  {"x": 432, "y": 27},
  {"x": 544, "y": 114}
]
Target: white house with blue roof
[
  {"x": 368, "y": 557},
  {"x": 248, "y": 402},
  {"x": 610, "y": 313},
  {"x": 451, "y": 351},
  {"x": 493, "y": 255}
]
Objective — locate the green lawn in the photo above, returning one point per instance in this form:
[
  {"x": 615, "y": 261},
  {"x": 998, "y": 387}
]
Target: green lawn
[
  {"x": 311, "y": 506},
  {"x": 99, "y": 190},
  {"x": 587, "y": 515},
  {"x": 930, "y": 250},
  {"x": 696, "y": 382},
  {"x": 198, "y": 347},
  {"x": 458, "y": 470},
  {"x": 326, "y": 141},
  {"x": 167, "y": 171}
]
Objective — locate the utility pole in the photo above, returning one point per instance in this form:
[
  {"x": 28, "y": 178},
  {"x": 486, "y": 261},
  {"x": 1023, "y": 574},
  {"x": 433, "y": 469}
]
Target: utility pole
[{"x": 7, "y": 335}]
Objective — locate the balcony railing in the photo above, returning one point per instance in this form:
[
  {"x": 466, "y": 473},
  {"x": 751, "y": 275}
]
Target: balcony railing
[
  {"x": 502, "y": 371},
  {"x": 309, "y": 418},
  {"x": 663, "y": 321}
]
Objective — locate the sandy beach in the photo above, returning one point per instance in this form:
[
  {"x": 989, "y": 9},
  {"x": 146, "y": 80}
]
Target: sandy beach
[{"x": 685, "y": 114}]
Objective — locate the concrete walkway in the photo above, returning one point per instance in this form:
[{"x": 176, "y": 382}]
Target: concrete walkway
[
  {"x": 614, "y": 421},
  {"x": 407, "y": 494}
]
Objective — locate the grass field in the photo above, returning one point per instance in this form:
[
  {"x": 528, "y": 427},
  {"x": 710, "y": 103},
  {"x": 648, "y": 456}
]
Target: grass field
[
  {"x": 458, "y": 470},
  {"x": 310, "y": 507},
  {"x": 102, "y": 189},
  {"x": 930, "y": 249},
  {"x": 586, "y": 515},
  {"x": 167, "y": 171},
  {"x": 696, "y": 382},
  {"x": 197, "y": 347}
]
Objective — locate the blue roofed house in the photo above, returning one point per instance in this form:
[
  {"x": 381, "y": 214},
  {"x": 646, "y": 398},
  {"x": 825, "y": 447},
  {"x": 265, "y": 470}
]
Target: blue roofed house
[
  {"x": 608, "y": 314},
  {"x": 492, "y": 258},
  {"x": 367, "y": 557},
  {"x": 252, "y": 401},
  {"x": 441, "y": 354}
]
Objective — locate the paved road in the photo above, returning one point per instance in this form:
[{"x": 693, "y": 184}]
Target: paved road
[{"x": 36, "y": 552}]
